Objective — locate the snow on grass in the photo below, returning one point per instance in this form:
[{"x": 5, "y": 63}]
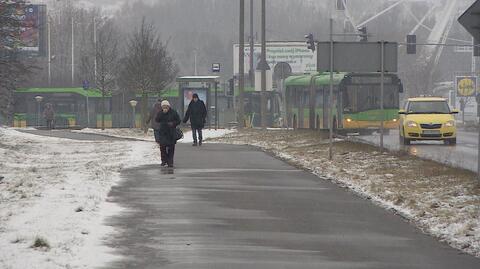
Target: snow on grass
[
  {"x": 207, "y": 135},
  {"x": 55, "y": 190},
  {"x": 138, "y": 134},
  {"x": 440, "y": 200},
  {"x": 129, "y": 133}
]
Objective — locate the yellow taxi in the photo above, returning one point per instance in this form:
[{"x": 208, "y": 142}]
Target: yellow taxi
[{"x": 427, "y": 118}]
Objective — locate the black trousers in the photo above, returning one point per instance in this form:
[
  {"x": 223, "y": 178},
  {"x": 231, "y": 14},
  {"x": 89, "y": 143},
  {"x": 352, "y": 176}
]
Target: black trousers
[
  {"x": 194, "y": 134},
  {"x": 50, "y": 125},
  {"x": 167, "y": 154}
]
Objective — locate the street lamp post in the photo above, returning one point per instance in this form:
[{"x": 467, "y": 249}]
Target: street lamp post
[
  {"x": 39, "y": 100},
  {"x": 133, "y": 103}
]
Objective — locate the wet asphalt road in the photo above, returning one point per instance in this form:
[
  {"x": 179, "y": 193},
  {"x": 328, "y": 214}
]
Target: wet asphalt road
[
  {"x": 236, "y": 207},
  {"x": 463, "y": 155}
]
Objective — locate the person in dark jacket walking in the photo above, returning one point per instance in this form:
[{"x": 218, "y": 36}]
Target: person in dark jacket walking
[
  {"x": 151, "y": 120},
  {"x": 168, "y": 120},
  {"x": 197, "y": 114},
  {"x": 49, "y": 115}
]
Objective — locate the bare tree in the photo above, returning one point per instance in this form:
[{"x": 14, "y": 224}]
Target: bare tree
[
  {"x": 12, "y": 67},
  {"x": 147, "y": 67},
  {"x": 106, "y": 52}
]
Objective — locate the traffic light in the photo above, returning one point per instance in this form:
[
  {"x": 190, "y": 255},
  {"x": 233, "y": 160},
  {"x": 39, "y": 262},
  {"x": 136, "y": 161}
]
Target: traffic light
[
  {"x": 411, "y": 44},
  {"x": 310, "y": 42},
  {"x": 363, "y": 34}
]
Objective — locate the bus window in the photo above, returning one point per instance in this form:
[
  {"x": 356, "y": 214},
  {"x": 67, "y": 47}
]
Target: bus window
[
  {"x": 305, "y": 98},
  {"x": 319, "y": 98},
  {"x": 359, "y": 98}
]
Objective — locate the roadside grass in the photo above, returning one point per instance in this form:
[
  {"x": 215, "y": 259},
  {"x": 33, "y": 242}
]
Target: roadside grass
[
  {"x": 441, "y": 200},
  {"x": 40, "y": 243}
]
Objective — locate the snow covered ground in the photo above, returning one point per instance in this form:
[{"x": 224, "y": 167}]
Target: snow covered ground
[
  {"x": 53, "y": 198},
  {"x": 441, "y": 201},
  {"x": 140, "y": 135}
]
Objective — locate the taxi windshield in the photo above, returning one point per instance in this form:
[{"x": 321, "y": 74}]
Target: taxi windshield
[{"x": 428, "y": 107}]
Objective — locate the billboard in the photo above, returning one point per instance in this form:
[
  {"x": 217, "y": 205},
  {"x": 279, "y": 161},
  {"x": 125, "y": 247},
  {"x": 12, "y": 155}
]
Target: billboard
[
  {"x": 296, "y": 54},
  {"x": 32, "y": 19},
  {"x": 188, "y": 96},
  {"x": 466, "y": 86}
]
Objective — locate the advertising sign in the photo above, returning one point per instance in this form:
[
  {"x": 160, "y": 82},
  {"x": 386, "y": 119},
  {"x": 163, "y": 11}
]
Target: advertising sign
[
  {"x": 188, "y": 93},
  {"x": 466, "y": 86},
  {"x": 296, "y": 54},
  {"x": 32, "y": 20}
]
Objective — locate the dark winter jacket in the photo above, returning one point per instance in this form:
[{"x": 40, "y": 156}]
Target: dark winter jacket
[
  {"x": 168, "y": 123},
  {"x": 49, "y": 113},
  {"x": 157, "y": 108},
  {"x": 196, "y": 113}
]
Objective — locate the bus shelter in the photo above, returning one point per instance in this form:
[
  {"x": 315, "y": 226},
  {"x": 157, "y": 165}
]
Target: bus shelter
[{"x": 204, "y": 86}]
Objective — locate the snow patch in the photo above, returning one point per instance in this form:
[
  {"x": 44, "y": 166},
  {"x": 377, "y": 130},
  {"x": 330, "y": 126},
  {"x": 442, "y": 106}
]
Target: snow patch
[{"x": 57, "y": 189}]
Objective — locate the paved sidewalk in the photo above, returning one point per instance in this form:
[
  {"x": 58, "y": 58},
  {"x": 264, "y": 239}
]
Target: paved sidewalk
[{"x": 236, "y": 207}]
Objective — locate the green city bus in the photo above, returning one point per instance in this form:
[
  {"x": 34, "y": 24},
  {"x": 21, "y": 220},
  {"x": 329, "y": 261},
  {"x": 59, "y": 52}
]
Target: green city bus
[
  {"x": 252, "y": 107},
  {"x": 77, "y": 107},
  {"x": 356, "y": 101}
]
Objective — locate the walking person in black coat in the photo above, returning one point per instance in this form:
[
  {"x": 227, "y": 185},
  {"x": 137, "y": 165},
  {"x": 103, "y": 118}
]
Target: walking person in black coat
[
  {"x": 197, "y": 114},
  {"x": 157, "y": 108},
  {"x": 168, "y": 119}
]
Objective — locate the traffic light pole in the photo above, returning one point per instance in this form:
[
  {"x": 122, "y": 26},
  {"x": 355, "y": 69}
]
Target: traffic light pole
[
  {"x": 216, "y": 105},
  {"x": 382, "y": 93},
  {"x": 263, "y": 97},
  {"x": 241, "y": 67},
  {"x": 330, "y": 116}
]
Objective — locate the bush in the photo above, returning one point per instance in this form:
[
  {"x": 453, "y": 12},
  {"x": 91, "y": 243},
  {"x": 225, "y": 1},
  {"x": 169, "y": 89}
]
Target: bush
[{"x": 41, "y": 242}]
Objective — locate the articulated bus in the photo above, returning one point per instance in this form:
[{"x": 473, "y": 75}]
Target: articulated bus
[
  {"x": 252, "y": 107},
  {"x": 356, "y": 101},
  {"x": 76, "y": 107}
]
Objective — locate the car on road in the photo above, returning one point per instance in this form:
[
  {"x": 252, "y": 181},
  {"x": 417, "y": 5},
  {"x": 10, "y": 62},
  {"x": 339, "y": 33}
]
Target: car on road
[{"x": 427, "y": 118}]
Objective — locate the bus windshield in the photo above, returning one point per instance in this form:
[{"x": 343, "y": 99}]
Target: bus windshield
[
  {"x": 358, "y": 98},
  {"x": 428, "y": 107}
]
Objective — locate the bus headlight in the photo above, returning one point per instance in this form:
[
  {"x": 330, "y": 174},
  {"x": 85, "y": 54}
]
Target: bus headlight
[
  {"x": 412, "y": 124},
  {"x": 395, "y": 120},
  {"x": 450, "y": 123},
  {"x": 349, "y": 120}
]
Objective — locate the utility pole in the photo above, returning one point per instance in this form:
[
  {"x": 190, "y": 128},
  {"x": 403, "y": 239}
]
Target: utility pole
[
  {"x": 252, "y": 47},
  {"x": 195, "y": 61},
  {"x": 330, "y": 97},
  {"x": 382, "y": 90},
  {"x": 49, "y": 25},
  {"x": 263, "y": 99},
  {"x": 95, "y": 48},
  {"x": 241, "y": 66},
  {"x": 73, "y": 54}
]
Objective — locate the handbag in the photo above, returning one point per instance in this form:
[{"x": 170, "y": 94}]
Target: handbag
[{"x": 178, "y": 134}]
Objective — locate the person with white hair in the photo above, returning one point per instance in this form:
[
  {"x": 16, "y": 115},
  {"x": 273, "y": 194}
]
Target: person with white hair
[{"x": 168, "y": 120}]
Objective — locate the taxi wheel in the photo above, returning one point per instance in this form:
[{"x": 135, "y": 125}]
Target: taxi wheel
[
  {"x": 403, "y": 140},
  {"x": 451, "y": 141}
]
